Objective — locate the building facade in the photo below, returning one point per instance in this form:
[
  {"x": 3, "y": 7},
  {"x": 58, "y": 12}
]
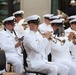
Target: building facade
[
  {"x": 42, "y": 7},
  {"x": 39, "y": 7},
  {"x": 30, "y": 7}
]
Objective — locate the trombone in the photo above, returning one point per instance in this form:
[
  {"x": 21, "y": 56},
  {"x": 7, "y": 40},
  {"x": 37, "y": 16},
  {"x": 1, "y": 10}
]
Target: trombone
[{"x": 53, "y": 38}]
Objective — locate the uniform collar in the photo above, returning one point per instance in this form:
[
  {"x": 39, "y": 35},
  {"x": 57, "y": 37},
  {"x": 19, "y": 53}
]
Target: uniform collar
[
  {"x": 8, "y": 31},
  {"x": 32, "y": 32}
]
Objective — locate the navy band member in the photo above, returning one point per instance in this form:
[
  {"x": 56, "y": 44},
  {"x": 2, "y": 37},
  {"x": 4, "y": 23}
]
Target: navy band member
[
  {"x": 18, "y": 23},
  {"x": 10, "y": 45},
  {"x": 72, "y": 29},
  {"x": 60, "y": 48}
]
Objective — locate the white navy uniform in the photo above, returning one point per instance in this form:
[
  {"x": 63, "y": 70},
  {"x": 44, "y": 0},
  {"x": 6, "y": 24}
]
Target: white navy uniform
[
  {"x": 18, "y": 25},
  {"x": 26, "y": 31},
  {"x": 44, "y": 27},
  {"x": 13, "y": 55},
  {"x": 19, "y": 30},
  {"x": 73, "y": 47},
  {"x": 61, "y": 54}
]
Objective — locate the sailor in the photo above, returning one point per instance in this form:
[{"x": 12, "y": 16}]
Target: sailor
[
  {"x": 60, "y": 45},
  {"x": 45, "y": 26},
  {"x": 72, "y": 28},
  {"x": 18, "y": 23},
  {"x": 10, "y": 45}
]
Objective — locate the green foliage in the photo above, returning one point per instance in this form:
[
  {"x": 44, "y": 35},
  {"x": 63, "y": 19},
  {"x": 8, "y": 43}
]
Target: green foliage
[{"x": 0, "y": 20}]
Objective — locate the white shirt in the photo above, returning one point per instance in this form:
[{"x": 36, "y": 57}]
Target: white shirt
[
  {"x": 7, "y": 41},
  {"x": 19, "y": 29},
  {"x": 73, "y": 47},
  {"x": 60, "y": 52},
  {"x": 44, "y": 27},
  {"x": 35, "y": 47},
  {"x": 67, "y": 31}
]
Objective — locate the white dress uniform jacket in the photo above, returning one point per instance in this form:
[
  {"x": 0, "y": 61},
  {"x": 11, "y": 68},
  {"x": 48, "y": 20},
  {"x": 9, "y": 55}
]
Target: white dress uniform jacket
[
  {"x": 19, "y": 29},
  {"x": 35, "y": 59},
  {"x": 73, "y": 47},
  {"x": 61, "y": 54},
  {"x": 44, "y": 27},
  {"x": 13, "y": 55},
  {"x": 37, "y": 49},
  {"x": 8, "y": 42}
]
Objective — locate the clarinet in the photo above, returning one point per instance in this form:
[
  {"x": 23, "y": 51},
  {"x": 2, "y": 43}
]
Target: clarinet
[
  {"x": 22, "y": 48},
  {"x": 19, "y": 39}
]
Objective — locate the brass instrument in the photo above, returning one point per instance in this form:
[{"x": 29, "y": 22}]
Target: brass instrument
[
  {"x": 53, "y": 38},
  {"x": 61, "y": 41}
]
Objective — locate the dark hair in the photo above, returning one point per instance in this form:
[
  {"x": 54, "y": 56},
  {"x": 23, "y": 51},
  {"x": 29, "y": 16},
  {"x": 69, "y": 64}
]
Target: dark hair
[
  {"x": 47, "y": 18},
  {"x": 18, "y": 15},
  {"x": 59, "y": 31},
  {"x": 56, "y": 24}
]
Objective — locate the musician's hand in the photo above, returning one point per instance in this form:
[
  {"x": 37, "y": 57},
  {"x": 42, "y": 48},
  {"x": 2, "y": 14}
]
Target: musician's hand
[
  {"x": 18, "y": 44},
  {"x": 47, "y": 35},
  {"x": 50, "y": 37},
  {"x": 71, "y": 35}
]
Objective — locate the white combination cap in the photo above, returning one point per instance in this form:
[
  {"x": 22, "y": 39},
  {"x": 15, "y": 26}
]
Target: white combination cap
[
  {"x": 74, "y": 20},
  {"x": 11, "y": 18},
  {"x": 48, "y": 15},
  {"x": 33, "y": 17},
  {"x": 72, "y": 17},
  {"x": 62, "y": 19},
  {"x": 56, "y": 21},
  {"x": 18, "y": 12},
  {"x": 72, "y": 1},
  {"x": 55, "y": 17}
]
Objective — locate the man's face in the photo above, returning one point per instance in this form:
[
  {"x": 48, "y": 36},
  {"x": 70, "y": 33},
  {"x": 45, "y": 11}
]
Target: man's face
[
  {"x": 34, "y": 27},
  {"x": 55, "y": 27},
  {"x": 17, "y": 19},
  {"x": 73, "y": 26},
  {"x": 10, "y": 26},
  {"x": 47, "y": 21}
]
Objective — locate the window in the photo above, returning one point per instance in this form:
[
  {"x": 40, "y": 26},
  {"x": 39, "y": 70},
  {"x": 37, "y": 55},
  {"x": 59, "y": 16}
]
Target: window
[{"x": 7, "y": 7}]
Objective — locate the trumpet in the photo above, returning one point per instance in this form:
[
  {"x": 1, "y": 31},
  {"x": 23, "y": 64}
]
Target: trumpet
[{"x": 53, "y": 38}]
